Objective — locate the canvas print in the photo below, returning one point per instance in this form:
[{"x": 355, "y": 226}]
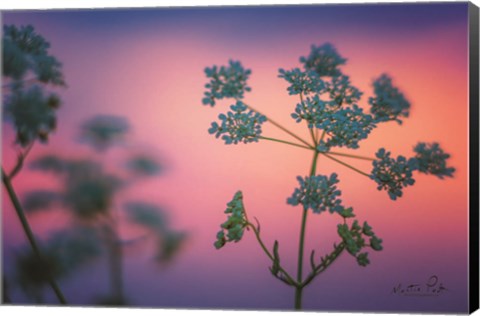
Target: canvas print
[{"x": 303, "y": 157}]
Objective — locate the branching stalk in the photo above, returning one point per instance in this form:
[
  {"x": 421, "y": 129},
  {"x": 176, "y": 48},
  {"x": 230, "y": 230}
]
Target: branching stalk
[
  {"x": 346, "y": 165},
  {"x": 270, "y": 255},
  {"x": 280, "y": 126},
  {"x": 351, "y": 156},
  {"x": 28, "y": 231},
  {"x": 299, "y": 289},
  {"x": 21, "y": 158},
  {"x": 286, "y": 142},
  {"x": 324, "y": 265}
]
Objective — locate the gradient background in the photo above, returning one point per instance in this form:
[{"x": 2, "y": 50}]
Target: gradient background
[{"x": 148, "y": 65}]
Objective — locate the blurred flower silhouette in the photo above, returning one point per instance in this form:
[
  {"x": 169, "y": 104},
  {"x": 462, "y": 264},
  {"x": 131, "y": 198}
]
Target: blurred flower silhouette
[
  {"x": 91, "y": 195},
  {"x": 27, "y": 69},
  {"x": 63, "y": 253},
  {"x": 103, "y": 131}
]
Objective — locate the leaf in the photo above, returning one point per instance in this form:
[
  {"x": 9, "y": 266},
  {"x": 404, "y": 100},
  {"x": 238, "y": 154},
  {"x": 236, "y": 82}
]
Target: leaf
[
  {"x": 312, "y": 260},
  {"x": 362, "y": 259},
  {"x": 48, "y": 163},
  {"x": 276, "y": 259},
  {"x": 347, "y": 212},
  {"x": 39, "y": 200},
  {"x": 169, "y": 245},
  {"x": 103, "y": 131},
  {"x": 147, "y": 215},
  {"x": 376, "y": 243},
  {"x": 143, "y": 165},
  {"x": 367, "y": 229}
]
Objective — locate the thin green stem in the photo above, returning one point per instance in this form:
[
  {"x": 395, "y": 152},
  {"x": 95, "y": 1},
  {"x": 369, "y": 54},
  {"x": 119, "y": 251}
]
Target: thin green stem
[
  {"x": 313, "y": 136},
  {"x": 310, "y": 129},
  {"x": 347, "y": 165},
  {"x": 29, "y": 233},
  {"x": 267, "y": 252},
  {"x": 313, "y": 168},
  {"x": 324, "y": 265},
  {"x": 21, "y": 158},
  {"x": 286, "y": 142},
  {"x": 351, "y": 156},
  {"x": 280, "y": 126},
  {"x": 323, "y": 136},
  {"x": 299, "y": 289}
]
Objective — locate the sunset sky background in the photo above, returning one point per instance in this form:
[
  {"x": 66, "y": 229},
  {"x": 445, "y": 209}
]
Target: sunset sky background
[{"x": 147, "y": 65}]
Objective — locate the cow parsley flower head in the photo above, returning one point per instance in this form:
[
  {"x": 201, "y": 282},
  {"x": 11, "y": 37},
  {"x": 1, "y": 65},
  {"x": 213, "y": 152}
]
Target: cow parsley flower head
[
  {"x": 26, "y": 51},
  {"x": 304, "y": 82},
  {"x": 318, "y": 193},
  {"x": 354, "y": 238},
  {"x": 312, "y": 110},
  {"x": 389, "y": 103},
  {"x": 232, "y": 229},
  {"x": 324, "y": 60},
  {"x": 431, "y": 159},
  {"x": 346, "y": 127},
  {"x": 32, "y": 113},
  {"x": 392, "y": 174},
  {"x": 238, "y": 125},
  {"x": 226, "y": 82},
  {"x": 341, "y": 91}
]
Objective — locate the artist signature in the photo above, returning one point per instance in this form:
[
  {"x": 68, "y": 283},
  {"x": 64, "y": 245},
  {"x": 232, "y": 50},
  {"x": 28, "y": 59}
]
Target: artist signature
[{"x": 433, "y": 287}]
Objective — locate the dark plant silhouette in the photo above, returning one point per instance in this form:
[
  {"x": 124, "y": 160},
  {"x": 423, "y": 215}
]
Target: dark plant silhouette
[
  {"x": 328, "y": 106},
  {"x": 29, "y": 73},
  {"x": 92, "y": 196}
]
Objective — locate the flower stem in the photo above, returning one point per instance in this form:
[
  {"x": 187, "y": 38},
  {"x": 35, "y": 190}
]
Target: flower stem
[
  {"x": 286, "y": 142},
  {"x": 21, "y": 158},
  {"x": 351, "y": 156},
  {"x": 280, "y": 126},
  {"x": 324, "y": 265},
  {"x": 269, "y": 255},
  {"x": 29, "y": 233},
  {"x": 347, "y": 165},
  {"x": 299, "y": 289},
  {"x": 115, "y": 258},
  {"x": 313, "y": 136},
  {"x": 310, "y": 129}
]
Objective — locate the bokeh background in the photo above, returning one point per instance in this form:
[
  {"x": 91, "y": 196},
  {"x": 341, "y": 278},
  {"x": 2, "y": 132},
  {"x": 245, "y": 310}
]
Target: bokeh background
[{"x": 147, "y": 65}]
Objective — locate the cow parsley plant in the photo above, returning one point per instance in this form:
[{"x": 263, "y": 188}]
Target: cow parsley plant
[{"x": 329, "y": 107}]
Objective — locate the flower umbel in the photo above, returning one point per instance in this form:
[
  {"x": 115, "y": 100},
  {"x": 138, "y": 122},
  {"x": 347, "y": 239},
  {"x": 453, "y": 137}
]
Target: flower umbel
[
  {"x": 238, "y": 126},
  {"x": 32, "y": 113},
  {"x": 389, "y": 103},
  {"x": 324, "y": 60},
  {"x": 431, "y": 159},
  {"x": 355, "y": 236},
  {"x": 392, "y": 174},
  {"x": 232, "y": 229},
  {"x": 346, "y": 127},
  {"x": 26, "y": 51},
  {"x": 304, "y": 82},
  {"x": 318, "y": 193},
  {"x": 341, "y": 91},
  {"x": 313, "y": 110},
  {"x": 226, "y": 82}
]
